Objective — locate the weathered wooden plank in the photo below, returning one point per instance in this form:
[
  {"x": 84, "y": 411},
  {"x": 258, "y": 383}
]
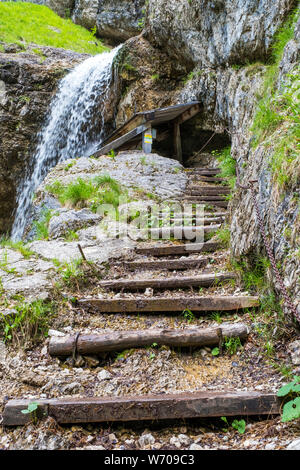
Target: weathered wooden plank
[
  {"x": 170, "y": 304},
  {"x": 188, "y": 248},
  {"x": 148, "y": 407},
  {"x": 210, "y": 202},
  {"x": 120, "y": 141},
  {"x": 191, "y": 112},
  {"x": 188, "y": 220},
  {"x": 120, "y": 340},
  {"x": 207, "y": 179},
  {"x": 173, "y": 264},
  {"x": 208, "y": 191},
  {"x": 179, "y": 282},
  {"x": 183, "y": 232},
  {"x": 204, "y": 171},
  {"x": 209, "y": 197}
]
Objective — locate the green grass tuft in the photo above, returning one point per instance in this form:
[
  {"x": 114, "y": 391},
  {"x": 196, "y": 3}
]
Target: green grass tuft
[{"x": 25, "y": 23}]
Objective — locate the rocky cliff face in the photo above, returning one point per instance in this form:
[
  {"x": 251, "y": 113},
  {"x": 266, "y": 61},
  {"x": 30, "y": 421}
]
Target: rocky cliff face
[
  {"x": 116, "y": 20},
  {"x": 215, "y": 32},
  {"x": 27, "y": 83}
]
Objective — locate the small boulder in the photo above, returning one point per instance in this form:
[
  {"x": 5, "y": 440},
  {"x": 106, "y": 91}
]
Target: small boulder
[
  {"x": 68, "y": 220},
  {"x": 294, "y": 445}
]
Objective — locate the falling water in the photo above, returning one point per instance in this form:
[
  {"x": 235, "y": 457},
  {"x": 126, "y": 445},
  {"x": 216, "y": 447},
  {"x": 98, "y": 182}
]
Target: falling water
[{"x": 74, "y": 128}]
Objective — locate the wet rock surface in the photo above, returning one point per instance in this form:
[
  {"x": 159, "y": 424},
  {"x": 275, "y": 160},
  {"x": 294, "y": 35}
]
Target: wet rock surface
[{"x": 28, "y": 83}]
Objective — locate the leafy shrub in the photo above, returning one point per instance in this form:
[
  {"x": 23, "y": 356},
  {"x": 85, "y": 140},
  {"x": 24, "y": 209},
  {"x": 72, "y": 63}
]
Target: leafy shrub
[
  {"x": 28, "y": 324},
  {"x": 291, "y": 391}
]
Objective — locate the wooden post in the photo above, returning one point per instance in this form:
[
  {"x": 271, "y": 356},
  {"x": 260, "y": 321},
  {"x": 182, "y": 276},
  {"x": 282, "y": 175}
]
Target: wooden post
[
  {"x": 177, "y": 141},
  {"x": 147, "y": 140}
]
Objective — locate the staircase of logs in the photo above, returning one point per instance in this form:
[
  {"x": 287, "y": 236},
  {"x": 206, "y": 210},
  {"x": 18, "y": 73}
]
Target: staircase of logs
[{"x": 206, "y": 187}]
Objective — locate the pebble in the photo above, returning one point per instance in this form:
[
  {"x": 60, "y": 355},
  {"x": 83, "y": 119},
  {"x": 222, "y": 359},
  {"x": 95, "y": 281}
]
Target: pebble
[
  {"x": 104, "y": 375},
  {"x": 184, "y": 439},
  {"x": 112, "y": 438},
  {"x": 195, "y": 447},
  {"x": 270, "y": 446},
  {"x": 174, "y": 441},
  {"x": 294, "y": 445},
  {"x": 56, "y": 333},
  {"x": 146, "y": 440}
]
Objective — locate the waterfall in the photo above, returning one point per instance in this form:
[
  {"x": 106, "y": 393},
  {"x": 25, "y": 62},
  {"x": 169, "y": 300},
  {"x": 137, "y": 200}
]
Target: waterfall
[{"x": 74, "y": 128}]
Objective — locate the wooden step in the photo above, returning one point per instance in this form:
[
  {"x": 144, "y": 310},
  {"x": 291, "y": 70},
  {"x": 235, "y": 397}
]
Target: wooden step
[
  {"x": 121, "y": 340},
  {"x": 208, "y": 192},
  {"x": 182, "y": 232},
  {"x": 188, "y": 220},
  {"x": 148, "y": 407},
  {"x": 207, "y": 179},
  {"x": 204, "y": 171},
  {"x": 179, "y": 282},
  {"x": 212, "y": 197},
  {"x": 170, "y": 304},
  {"x": 200, "y": 200},
  {"x": 171, "y": 265},
  {"x": 179, "y": 250}
]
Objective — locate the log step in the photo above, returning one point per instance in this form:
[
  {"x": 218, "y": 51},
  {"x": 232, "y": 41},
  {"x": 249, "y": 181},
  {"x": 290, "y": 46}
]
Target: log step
[
  {"x": 199, "y": 200},
  {"x": 148, "y": 407},
  {"x": 179, "y": 250},
  {"x": 208, "y": 179},
  {"x": 170, "y": 304},
  {"x": 208, "y": 189},
  {"x": 182, "y": 232},
  {"x": 120, "y": 340},
  {"x": 204, "y": 198},
  {"x": 204, "y": 171},
  {"x": 204, "y": 280},
  {"x": 190, "y": 219},
  {"x": 171, "y": 265},
  {"x": 211, "y": 192}
]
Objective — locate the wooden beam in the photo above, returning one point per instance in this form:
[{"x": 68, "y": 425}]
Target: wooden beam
[
  {"x": 191, "y": 112},
  {"x": 171, "y": 265},
  {"x": 120, "y": 340},
  {"x": 120, "y": 141},
  {"x": 177, "y": 141},
  {"x": 170, "y": 304},
  {"x": 187, "y": 249},
  {"x": 148, "y": 407},
  {"x": 183, "y": 232},
  {"x": 178, "y": 282}
]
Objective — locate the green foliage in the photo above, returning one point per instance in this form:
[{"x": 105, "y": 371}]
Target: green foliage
[
  {"x": 71, "y": 273},
  {"x": 227, "y": 164},
  {"x": 31, "y": 409},
  {"x": 232, "y": 345},
  {"x": 223, "y": 234},
  {"x": 188, "y": 315},
  {"x": 39, "y": 25},
  {"x": 291, "y": 391},
  {"x": 71, "y": 236},
  {"x": 254, "y": 277},
  {"x": 27, "y": 324},
  {"x": 239, "y": 425},
  {"x": 92, "y": 193},
  {"x": 278, "y": 110},
  {"x": 19, "y": 246},
  {"x": 215, "y": 351},
  {"x": 42, "y": 225}
]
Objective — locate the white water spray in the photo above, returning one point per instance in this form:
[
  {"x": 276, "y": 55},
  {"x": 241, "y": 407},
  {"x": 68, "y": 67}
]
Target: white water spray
[{"x": 74, "y": 128}]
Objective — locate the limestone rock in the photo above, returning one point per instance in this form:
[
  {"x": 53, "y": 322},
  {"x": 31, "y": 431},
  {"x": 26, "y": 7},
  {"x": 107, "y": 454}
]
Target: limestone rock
[
  {"x": 215, "y": 32},
  {"x": 116, "y": 20},
  {"x": 71, "y": 220}
]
